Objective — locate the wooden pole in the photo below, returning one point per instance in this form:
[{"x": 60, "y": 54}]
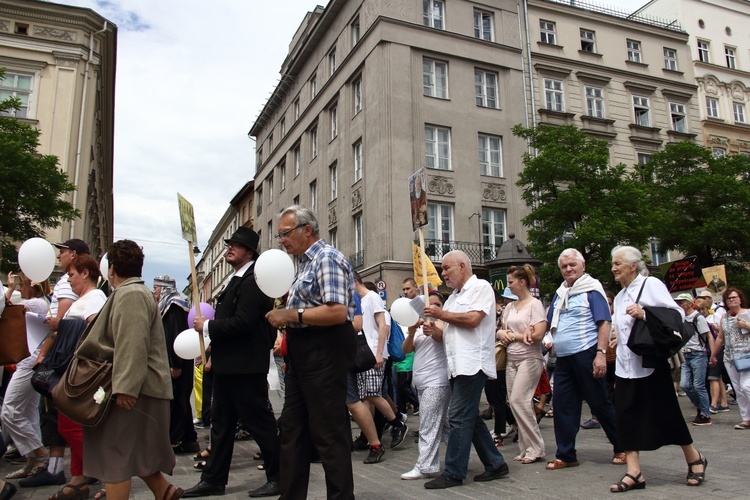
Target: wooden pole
[
  {"x": 196, "y": 299},
  {"x": 423, "y": 258}
]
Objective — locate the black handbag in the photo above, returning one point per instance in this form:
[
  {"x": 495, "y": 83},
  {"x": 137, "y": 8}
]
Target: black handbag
[
  {"x": 658, "y": 337},
  {"x": 49, "y": 372},
  {"x": 364, "y": 359}
]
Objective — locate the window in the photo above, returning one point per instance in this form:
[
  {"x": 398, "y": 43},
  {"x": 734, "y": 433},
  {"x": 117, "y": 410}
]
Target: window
[
  {"x": 679, "y": 120},
  {"x": 357, "y": 150},
  {"x": 332, "y": 61},
  {"x": 295, "y": 200},
  {"x": 435, "y": 78},
  {"x": 483, "y": 25},
  {"x": 703, "y": 52},
  {"x": 314, "y": 143},
  {"x": 440, "y": 222},
  {"x": 657, "y": 258},
  {"x": 357, "y": 91},
  {"x": 493, "y": 231},
  {"x": 739, "y": 112},
  {"x": 587, "y": 41},
  {"x": 356, "y": 32},
  {"x": 641, "y": 111},
  {"x": 313, "y": 87},
  {"x": 719, "y": 152},
  {"x": 547, "y": 30},
  {"x": 18, "y": 86},
  {"x": 634, "y": 51},
  {"x": 334, "y": 178},
  {"x": 729, "y": 55},
  {"x": 553, "y": 94},
  {"x": 359, "y": 237},
  {"x": 670, "y": 59},
  {"x": 296, "y": 154},
  {"x": 433, "y": 13},
  {"x": 270, "y": 189},
  {"x": 282, "y": 127},
  {"x": 259, "y": 201},
  {"x": 712, "y": 107},
  {"x": 647, "y": 174},
  {"x": 314, "y": 196},
  {"x": 437, "y": 144},
  {"x": 334, "y": 115},
  {"x": 269, "y": 232},
  {"x": 295, "y": 109},
  {"x": 490, "y": 155},
  {"x": 595, "y": 102},
  {"x": 333, "y": 238},
  {"x": 485, "y": 86},
  {"x": 270, "y": 141},
  {"x": 282, "y": 177}
]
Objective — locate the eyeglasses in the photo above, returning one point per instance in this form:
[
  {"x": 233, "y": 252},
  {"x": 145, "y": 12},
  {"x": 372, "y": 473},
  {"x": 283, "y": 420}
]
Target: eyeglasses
[
  {"x": 283, "y": 234},
  {"x": 734, "y": 297},
  {"x": 232, "y": 244}
]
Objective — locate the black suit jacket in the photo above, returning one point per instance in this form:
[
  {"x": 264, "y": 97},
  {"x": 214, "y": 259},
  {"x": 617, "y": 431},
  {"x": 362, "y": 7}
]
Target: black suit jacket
[{"x": 240, "y": 334}]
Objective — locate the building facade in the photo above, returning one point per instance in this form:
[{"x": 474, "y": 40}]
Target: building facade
[
  {"x": 373, "y": 90},
  {"x": 60, "y": 62},
  {"x": 720, "y": 58}
]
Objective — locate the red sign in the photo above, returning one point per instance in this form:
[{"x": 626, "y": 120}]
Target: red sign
[{"x": 682, "y": 274}]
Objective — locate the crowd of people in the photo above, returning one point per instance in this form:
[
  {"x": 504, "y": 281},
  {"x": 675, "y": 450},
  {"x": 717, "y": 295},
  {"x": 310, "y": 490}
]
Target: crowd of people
[{"x": 475, "y": 339}]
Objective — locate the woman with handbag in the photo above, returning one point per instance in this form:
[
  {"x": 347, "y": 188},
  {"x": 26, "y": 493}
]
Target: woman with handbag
[
  {"x": 734, "y": 334},
  {"x": 128, "y": 333},
  {"x": 20, "y": 410},
  {"x": 527, "y": 324},
  {"x": 646, "y": 406}
]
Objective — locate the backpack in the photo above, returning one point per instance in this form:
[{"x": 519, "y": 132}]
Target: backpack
[
  {"x": 690, "y": 328},
  {"x": 396, "y": 342}
]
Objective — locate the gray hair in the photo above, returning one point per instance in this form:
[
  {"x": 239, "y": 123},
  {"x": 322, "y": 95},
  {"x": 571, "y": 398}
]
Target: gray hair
[
  {"x": 631, "y": 255},
  {"x": 460, "y": 257},
  {"x": 303, "y": 216},
  {"x": 570, "y": 252}
]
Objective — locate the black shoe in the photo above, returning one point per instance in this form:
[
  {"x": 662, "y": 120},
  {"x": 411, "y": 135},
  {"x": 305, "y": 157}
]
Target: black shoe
[
  {"x": 360, "y": 444},
  {"x": 186, "y": 447},
  {"x": 442, "y": 482},
  {"x": 43, "y": 478},
  {"x": 91, "y": 480},
  {"x": 490, "y": 475},
  {"x": 9, "y": 489},
  {"x": 398, "y": 434},
  {"x": 375, "y": 456},
  {"x": 270, "y": 489},
  {"x": 203, "y": 489}
]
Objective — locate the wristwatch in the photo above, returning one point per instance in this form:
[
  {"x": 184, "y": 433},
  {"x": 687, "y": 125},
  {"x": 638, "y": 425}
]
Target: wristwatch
[
  {"x": 603, "y": 351},
  {"x": 299, "y": 314}
]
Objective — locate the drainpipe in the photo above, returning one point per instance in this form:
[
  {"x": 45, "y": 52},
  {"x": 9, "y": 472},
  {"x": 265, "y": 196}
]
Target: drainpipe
[
  {"x": 84, "y": 100},
  {"x": 528, "y": 58}
]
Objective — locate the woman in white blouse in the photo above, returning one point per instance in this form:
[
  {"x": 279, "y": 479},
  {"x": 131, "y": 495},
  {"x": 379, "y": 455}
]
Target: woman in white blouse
[{"x": 648, "y": 413}]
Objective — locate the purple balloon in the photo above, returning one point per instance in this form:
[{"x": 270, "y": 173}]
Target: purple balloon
[{"x": 206, "y": 310}]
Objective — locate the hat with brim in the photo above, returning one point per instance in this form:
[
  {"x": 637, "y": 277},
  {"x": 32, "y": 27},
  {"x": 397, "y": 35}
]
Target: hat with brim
[
  {"x": 507, "y": 294},
  {"x": 705, "y": 294},
  {"x": 684, "y": 296},
  {"x": 245, "y": 237},
  {"x": 78, "y": 246}
]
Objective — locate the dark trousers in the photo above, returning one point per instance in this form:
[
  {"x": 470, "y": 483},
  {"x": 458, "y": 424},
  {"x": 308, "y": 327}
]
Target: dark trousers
[
  {"x": 313, "y": 414},
  {"x": 181, "y": 429},
  {"x": 208, "y": 391},
  {"x": 497, "y": 396},
  {"x": 405, "y": 391},
  {"x": 242, "y": 396},
  {"x": 574, "y": 382}
]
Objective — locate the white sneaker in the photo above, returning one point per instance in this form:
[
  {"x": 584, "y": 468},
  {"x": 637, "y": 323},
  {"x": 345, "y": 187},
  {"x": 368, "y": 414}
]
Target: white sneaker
[{"x": 416, "y": 474}]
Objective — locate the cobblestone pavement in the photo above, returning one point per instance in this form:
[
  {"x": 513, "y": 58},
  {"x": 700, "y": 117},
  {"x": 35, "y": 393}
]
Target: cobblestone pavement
[{"x": 664, "y": 470}]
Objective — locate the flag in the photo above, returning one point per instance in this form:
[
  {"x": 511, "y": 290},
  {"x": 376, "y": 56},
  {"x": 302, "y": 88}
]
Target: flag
[{"x": 433, "y": 278}]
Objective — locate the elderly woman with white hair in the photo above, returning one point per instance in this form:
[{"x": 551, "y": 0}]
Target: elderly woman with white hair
[{"x": 648, "y": 413}]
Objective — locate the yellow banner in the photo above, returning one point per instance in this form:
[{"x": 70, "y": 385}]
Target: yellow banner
[{"x": 433, "y": 278}]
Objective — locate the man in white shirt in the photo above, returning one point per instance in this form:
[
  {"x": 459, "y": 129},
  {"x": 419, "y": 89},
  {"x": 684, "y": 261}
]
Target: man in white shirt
[
  {"x": 693, "y": 376},
  {"x": 469, "y": 341}
]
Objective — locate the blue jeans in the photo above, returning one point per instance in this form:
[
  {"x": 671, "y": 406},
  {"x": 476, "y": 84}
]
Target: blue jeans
[
  {"x": 467, "y": 427},
  {"x": 693, "y": 380}
]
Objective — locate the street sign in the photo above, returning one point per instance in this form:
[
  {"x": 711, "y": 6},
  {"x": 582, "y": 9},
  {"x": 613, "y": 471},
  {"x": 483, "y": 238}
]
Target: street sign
[{"x": 380, "y": 285}]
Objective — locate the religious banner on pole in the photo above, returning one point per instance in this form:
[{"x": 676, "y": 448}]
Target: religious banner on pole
[
  {"x": 433, "y": 278},
  {"x": 716, "y": 279},
  {"x": 189, "y": 234},
  {"x": 418, "y": 199}
]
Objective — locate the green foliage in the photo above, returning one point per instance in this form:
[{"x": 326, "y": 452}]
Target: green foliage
[
  {"x": 31, "y": 186},
  {"x": 578, "y": 200}
]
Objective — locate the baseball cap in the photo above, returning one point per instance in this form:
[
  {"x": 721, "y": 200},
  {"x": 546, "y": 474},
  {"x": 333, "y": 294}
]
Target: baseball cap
[
  {"x": 684, "y": 296},
  {"x": 78, "y": 246}
]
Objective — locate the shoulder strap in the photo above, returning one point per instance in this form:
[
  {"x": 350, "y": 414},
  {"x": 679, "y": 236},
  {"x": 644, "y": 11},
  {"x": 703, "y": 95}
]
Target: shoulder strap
[{"x": 641, "y": 290}]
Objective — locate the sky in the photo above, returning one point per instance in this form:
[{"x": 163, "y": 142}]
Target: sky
[{"x": 192, "y": 77}]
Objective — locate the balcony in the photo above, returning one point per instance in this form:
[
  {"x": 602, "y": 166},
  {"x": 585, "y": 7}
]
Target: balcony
[
  {"x": 478, "y": 254},
  {"x": 357, "y": 260}
]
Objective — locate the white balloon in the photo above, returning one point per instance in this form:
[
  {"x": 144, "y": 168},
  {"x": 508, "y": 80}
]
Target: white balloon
[
  {"x": 187, "y": 345},
  {"x": 37, "y": 259},
  {"x": 274, "y": 272},
  {"x": 403, "y": 312},
  {"x": 104, "y": 267}
]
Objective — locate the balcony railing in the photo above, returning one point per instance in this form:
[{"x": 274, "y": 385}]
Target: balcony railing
[
  {"x": 357, "y": 260},
  {"x": 477, "y": 252}
]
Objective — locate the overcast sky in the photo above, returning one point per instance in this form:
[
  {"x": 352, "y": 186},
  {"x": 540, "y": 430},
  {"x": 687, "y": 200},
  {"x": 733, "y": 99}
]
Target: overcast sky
[{"x": 191, "y": 78}]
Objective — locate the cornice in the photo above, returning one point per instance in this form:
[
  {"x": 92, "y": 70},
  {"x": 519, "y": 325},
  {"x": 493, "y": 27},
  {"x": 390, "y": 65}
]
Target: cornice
[{"x": 53, "y": 13}]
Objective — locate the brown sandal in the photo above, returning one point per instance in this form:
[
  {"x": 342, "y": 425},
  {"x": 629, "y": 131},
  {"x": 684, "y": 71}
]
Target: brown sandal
[
  {"x": 80, "y": 492},
  {"x": 622, "y": 486},
  {"x": 559, "y": 464},
  {"x": 619, "y": 459},
  {"x": 101, "y": 494},
  {"x": 699, "y": 477},
  {"x": 173, "y": 493}
]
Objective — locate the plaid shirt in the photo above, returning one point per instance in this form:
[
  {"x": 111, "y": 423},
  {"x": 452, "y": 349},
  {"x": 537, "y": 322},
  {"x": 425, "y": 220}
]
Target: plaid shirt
[{"x": 323, "y": 276}]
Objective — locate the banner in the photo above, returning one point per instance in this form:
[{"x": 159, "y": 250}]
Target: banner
[
  {"x": 433, "y": 278},
  {"x": 187, "y": 220},
  {"x": 682, "y": 275},
  {"x": 418, "y": 199},
  {"x": 716, "y": 279}
]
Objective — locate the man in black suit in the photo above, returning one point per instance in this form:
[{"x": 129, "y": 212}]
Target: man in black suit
[{"x": 241, "y": 341}]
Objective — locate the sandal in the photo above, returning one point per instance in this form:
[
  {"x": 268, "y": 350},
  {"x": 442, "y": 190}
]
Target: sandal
[
  {"x": 529, "y": 460},
  {"x": 258, "y": 456},
  {"x": 173, "y": 493},
  {"x": 698, "y": 477},
  {"x": 202, "y": 455},
  {"x": 199, "y": 465},
  {"x": 101, "y": 494},
  {"x": 619, "y": 459},
  {"x": 80, "y": 492},
  {"x": 622, "y": 486},
  {"x": 21, "y": 473},
  {"x": 539, "y": 414},
  {"x": 559, "y": 464}
]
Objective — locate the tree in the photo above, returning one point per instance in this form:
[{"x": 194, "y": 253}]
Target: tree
[
  {"x": 31, "y": 186},
  {"x": 578, "y": 200},
  {"x": 702, "y": 206}
]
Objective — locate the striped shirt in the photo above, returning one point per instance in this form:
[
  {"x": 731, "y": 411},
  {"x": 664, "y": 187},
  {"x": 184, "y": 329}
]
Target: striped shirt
[{"x": 323, "y": 276}]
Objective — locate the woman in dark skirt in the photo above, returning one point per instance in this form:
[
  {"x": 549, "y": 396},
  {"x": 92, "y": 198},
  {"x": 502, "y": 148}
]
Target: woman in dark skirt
[{"x": 648, "y": 413}]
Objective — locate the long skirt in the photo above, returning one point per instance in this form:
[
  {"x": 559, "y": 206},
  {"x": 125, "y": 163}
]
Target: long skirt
[{"x": 648, "y": 413}]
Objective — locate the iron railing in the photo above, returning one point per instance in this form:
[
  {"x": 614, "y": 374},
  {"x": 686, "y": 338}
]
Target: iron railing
[
  {"x": 477, "y": 252},
  {"x": 357, "y": 260}
]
